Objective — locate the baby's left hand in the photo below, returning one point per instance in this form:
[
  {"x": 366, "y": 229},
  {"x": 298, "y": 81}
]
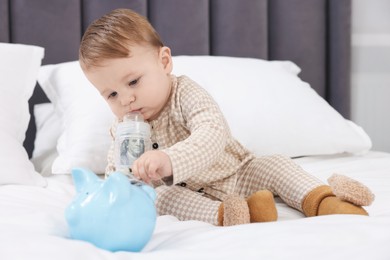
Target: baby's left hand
[{"x": 152, "y": 166}]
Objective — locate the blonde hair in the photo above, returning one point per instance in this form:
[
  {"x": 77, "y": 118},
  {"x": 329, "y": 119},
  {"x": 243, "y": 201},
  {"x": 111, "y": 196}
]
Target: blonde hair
[{"x": 112, "y": 35}]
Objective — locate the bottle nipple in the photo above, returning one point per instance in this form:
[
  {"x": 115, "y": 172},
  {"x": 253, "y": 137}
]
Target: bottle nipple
[{"x": 133, "y": 116}]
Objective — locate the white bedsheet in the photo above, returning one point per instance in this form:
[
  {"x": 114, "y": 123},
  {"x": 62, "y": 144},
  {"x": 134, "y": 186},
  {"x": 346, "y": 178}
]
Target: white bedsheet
[{"x": 32, "y": 225}]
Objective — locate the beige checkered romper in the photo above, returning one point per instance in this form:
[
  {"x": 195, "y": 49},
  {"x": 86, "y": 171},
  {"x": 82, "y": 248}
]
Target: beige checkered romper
[{"x": 208, "y": 163}]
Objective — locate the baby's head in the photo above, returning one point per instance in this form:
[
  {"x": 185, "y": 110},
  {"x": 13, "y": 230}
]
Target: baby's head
[
  {"x": 124, "y": 58},
  {"x": 110, "y": 36}
]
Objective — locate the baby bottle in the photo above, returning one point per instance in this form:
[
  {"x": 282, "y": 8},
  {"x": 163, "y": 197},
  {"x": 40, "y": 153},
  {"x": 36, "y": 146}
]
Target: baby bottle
[{"x": 132, "y": 140}]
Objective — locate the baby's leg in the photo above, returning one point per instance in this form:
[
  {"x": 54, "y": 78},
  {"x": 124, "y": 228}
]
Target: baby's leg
[
  {"x": 300, "y": 190},
  {"x": 186, "y": 204},
  {"x": 280, "y": 175}
]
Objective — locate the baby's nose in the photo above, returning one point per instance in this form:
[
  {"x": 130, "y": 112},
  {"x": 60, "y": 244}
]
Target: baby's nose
[{"x": 127, "y": 100}]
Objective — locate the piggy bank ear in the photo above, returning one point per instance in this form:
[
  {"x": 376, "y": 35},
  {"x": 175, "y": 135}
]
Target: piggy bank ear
[
  {"x": 117, "y": 187},
  {"x": 82, "y": 177}
]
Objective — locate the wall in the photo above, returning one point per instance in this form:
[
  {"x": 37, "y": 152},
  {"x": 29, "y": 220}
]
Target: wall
[{"x": 370, "y": 106}]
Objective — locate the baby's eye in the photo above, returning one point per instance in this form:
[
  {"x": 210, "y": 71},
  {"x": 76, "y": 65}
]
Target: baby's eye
[
  {"x": 133, "y": 82},
  {"x": 113, "y": 94}
]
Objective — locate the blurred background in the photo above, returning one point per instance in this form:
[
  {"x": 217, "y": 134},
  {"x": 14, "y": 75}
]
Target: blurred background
[{"x": 371, "y": 70}]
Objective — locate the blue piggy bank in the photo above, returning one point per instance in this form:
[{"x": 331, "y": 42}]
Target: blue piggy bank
[{"x": 112, "y": 214}]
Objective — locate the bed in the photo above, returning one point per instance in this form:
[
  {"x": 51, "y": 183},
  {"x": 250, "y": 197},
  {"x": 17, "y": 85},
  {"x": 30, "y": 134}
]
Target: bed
[{"x": 291, "y": 62}]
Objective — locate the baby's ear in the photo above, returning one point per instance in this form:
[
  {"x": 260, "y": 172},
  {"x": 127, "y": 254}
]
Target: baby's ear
[{"x": 166, "y": 59}]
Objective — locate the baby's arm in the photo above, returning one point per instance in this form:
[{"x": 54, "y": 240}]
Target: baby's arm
[
  {"x": 192, "y": 155},
  {"x": 208, "y": 135}
]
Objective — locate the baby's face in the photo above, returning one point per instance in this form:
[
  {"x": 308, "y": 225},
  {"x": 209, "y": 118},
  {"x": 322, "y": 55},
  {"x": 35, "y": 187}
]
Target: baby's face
[{"x": 140, "y": 82}]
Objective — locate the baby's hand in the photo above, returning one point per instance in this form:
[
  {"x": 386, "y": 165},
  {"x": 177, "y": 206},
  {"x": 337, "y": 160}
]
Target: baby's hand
[{"x": 152, "y": 165}]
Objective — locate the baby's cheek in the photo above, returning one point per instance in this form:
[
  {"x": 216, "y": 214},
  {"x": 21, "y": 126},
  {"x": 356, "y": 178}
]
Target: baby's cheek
[{"x": 119, "y": 112}]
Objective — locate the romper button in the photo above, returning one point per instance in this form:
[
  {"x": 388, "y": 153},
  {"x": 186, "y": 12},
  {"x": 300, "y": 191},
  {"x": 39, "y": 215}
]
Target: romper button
[
  {"x": 183, "y": 184},
  {"x": 155, "y": 145}
]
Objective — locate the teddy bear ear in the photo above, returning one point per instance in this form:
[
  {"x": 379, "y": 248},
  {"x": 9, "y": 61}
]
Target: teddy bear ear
[{"x": 82, "y": 177}]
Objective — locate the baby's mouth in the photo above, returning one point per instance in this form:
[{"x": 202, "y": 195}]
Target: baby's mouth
[{"x": 136, "y": 110}]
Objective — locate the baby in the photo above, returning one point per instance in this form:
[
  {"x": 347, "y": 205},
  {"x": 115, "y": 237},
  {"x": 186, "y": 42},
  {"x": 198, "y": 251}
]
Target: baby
[{"x": 199, "y": 171}]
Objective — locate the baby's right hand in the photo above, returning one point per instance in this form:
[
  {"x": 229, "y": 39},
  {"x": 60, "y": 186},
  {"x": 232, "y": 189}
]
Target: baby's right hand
[{"x": 152, "y": 165}]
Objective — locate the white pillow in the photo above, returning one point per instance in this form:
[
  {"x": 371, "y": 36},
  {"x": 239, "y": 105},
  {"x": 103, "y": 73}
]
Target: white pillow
[
  {"x": 85, "y": 116},
  {"x": 19, "y": 66},
  {"x": 49, "y": 129},
  {"x": 269, "y": 109}
]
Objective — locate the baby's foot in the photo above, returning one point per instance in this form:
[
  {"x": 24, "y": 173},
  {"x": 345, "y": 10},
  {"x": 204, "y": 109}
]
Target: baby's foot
[{"x": 262, "y": 207}]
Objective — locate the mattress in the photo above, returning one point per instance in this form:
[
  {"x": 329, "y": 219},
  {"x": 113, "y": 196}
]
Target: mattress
[{"x": 33, "y": 226}]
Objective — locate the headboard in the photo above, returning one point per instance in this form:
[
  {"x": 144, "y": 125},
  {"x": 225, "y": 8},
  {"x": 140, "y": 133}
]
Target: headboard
[{"x": 315, "y": 34}]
